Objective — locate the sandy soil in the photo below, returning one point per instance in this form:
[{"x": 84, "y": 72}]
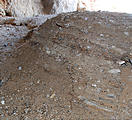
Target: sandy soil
[{"x": 76, "y": 66}]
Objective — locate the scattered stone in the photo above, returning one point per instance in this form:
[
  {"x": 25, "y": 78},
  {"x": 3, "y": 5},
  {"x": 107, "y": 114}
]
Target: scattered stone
[
  {"x": 2, "y": 102},
  {"x": 79, "y": 88},
  {"x": 5, "y": 44},
  {"x": 94, "y": 85},
  {"x": 88, "y": 47},
  {"x": 126, "y": 33},
  {"x": 112, "y": 21},
  {"x": 38, "y": 81},
  {"x": 19, "y": 68},
  {"x": 101, "y": 35},
  {"x": 79, "y": 68},
  {"x": 79, "y": 54},
  {"x": 47, "y": 95},
  {"x": 121, "y": 62},
  {"x": 99, "y": 90},
  {"x": 86, "y": 18},
  {"x": 86, "y": 101},
  {"x": 52, "y": 96},
  {"x": 48, "y": 51},
  {"x": 114, "y": 71},
  {"x": 89, "y": 27},
  {"x": 111, "y": 95}
]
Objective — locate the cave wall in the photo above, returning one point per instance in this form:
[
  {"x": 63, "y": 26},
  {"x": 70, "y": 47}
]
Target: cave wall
[{"x": 24, "y": 8}]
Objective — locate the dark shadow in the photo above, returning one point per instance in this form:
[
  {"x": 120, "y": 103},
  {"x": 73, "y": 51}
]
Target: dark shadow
[{"x": 47, "y": 6}]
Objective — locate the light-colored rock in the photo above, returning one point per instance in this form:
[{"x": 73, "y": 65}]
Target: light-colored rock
[
  {"x": 114, "y": 71},
  {"x": 2, "y": 102},
  {"x": 3, "y": 5},
  {"x": 22, "y": 8}
]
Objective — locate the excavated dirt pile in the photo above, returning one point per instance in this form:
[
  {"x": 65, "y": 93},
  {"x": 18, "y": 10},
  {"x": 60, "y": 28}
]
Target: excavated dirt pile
[{"x": 76, "y": 66}]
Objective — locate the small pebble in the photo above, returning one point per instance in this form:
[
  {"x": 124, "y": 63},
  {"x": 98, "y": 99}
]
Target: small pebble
[
  {"x": 79, "y": 88},
  {"x": 112, "y": 21},
  {"x": 6, "y": 44},
  {"x": 47, "y": 95},
  {"x": 101, "y": 35},
  {"x": 126, "y": 33},
  {"x": 2, "y": 102},
  {"x": 52, "y": 96},
  {"x": 94, "y": 85},
  {"x": 48, "y": 52},
  {"x": 38, "y": 81},
  {"x": 86, "y": 18},
  {"x": 19, "y": 68},
  {"x": 88, "y": 47},
  {"x": 98, "y": 81},
  {"x": 111, "y": 95},
  {"x": 89, "y": 27},
  {"x": 121, "y": 62},
  {"x": 99, "y": 90},
  {"x": 79, "y": 68}
]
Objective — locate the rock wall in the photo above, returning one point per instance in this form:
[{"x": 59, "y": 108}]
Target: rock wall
[{"x": 24, "y": 8}]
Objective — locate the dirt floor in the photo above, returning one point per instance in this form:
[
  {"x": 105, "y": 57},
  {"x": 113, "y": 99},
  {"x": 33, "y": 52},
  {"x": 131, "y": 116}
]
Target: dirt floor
[{"x": 76, "y": 66}]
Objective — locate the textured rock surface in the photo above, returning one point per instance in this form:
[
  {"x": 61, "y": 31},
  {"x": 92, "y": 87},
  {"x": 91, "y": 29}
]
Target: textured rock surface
[
  {"x": 3, "y": 4},
  {"x": 74, "y": 66},
  {"x": 24, "y": 8}
]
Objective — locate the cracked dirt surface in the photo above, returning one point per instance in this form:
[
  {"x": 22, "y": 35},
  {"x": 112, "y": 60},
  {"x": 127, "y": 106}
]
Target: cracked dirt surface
[{"x": 76, "y": 66}]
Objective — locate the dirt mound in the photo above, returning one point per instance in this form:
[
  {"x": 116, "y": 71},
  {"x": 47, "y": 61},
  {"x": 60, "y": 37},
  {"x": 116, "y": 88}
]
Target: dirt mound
[{"x": 76, "y": 66}]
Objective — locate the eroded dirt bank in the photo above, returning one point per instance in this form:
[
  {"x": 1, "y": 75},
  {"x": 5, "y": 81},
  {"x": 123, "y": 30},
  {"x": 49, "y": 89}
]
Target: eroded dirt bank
[{"x": 76, "y": 66}]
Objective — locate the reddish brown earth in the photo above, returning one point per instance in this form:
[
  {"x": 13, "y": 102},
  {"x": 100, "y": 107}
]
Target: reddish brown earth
[{"x": 76, "y": 66}]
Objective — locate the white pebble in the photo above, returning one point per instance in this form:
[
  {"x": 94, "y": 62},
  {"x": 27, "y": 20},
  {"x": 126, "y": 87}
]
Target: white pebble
[
  {"x": 2, "y": 102},
  {"x": 101, "y": 35},
  {"x": 47, "y": 95},
  {"x": 38, "y": 81},
  {"x": 19, "y": 68},
  {"x": 79, "y": 68},
  {"x": 79, "y": 88},
  {"x": 114, "y": 71},
  {"x": 121, "y": 62},
  {"x": 86, "y": 18},
  {"x": 48, "y": 52},
  {"x": 112, "y": 21},
  {"x": 52, "y": 96},
  {"x": 88, "y": 47},
  {"x": 126, "y": 33},
  {"x": 94, "y": 85}
]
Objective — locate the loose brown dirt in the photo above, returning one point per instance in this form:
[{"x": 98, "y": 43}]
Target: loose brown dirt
[{"x": 76, "y": 66}]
